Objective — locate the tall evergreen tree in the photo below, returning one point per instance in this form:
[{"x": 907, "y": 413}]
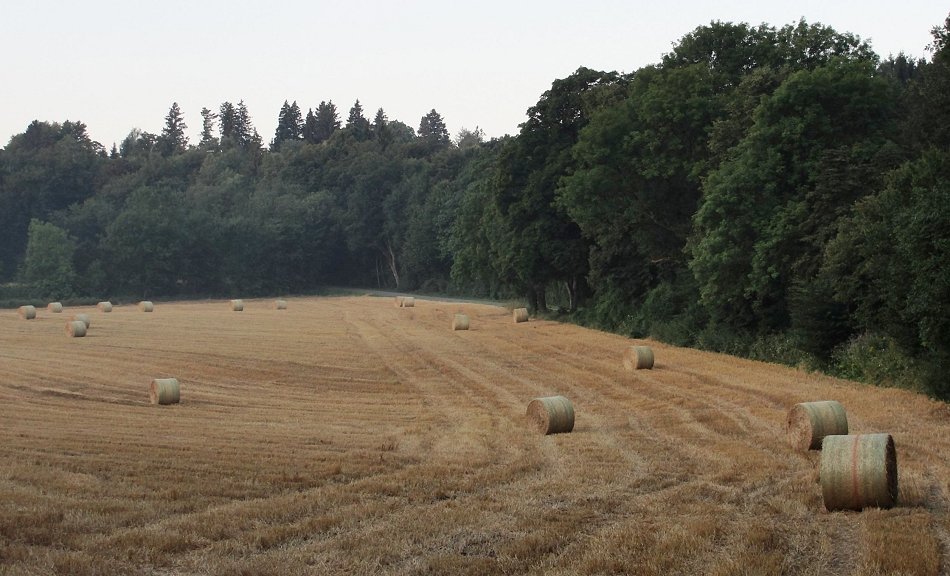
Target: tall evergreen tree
[
  {"x": 327, "y": 121},
  {"x": 289, "y": 125},
  {"x": 207, "y": 129},
  {"x": 357, "y": 124},
  {"x": 173, "y": 139},
  {"x": 381, "y": 130},
  {"x": 310, "y": 130},
  {"x": 432, "y": 130},
  {"x": 227, "y": 121}
]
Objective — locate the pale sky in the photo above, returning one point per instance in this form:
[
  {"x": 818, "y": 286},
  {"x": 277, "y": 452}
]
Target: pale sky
[{"x": 119, "y": 64}]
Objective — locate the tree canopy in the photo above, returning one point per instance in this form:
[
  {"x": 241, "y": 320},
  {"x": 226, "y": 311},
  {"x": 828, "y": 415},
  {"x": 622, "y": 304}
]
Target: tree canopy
[{"x": 781, "y": 193}]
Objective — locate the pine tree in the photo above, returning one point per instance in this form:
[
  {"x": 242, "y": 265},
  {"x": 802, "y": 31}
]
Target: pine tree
[
  {"x": 227, "y": 120},
  {"x": 207, "y": 127},
  {"x": 289, "y": 125},
  {"x": 381, "y": 129},
  {"x": 432, "y": 130},
  {"x": 327, "y": 122},
  {"x": 235, "y": 125},
  {"x": 310, "y": 127},
  {"x": 357, "y": 124},
  {"x": 173, "y": 139}
]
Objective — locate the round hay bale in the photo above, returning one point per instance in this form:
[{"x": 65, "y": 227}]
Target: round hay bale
[
  {"x": 520, "y": 315},
  {"x": 27, "y": 312},
  {"x": 408, "y": 302},
  {"x": 84, "y": 318},
  {"x": 460, "y": 322},
  {"x": 638, "y": 358},
  {"x": 54, "y": 307},
  {"x": 76, "y": 328},
  {"x": 104, "y": 306},
  {"x": 237, "y": 305},
  {"x": 164, "y": 391},
  {"x": 146, "y": 306},
  {"x": 398, "y": 301},
  {"x": 280, "y": 304},
  {"x": 858, "y": 471},
  {"x": 552, "y": 414},
  {"x": 809, "y": 422}
]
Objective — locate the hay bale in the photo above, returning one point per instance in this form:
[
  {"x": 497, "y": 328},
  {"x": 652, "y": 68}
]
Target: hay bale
[
  {"x": 54, "y": 307},
  {"x": 84, "y": 318},
  {"x": 809, "y": 422},
  {"x": 460, "y": 322},
  {"x": 164, "y": 391},
  {"x": 237, "y": 305},
  {"x": 146, "y": 306},
  {"x": 638, "y": 358},
  {"x": 76, "y": 328},
  {"x": 858, "y": 471},
  {"x": 552, "y": 414},
  {"x": 398, "y": 301},
  {"x": 104, "y": 306},
  {"x": 408, "y": 302},
  {"x": 26, "y": 312},
  {"x": 520, "y": 315},
  {"x": 280, "y": 304}
]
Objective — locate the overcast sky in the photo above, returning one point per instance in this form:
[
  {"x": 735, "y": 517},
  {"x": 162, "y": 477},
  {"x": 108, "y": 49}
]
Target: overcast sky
[{"x": 119, "y": 64}]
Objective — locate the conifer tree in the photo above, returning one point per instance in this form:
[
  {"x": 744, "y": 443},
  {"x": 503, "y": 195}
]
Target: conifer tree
[
  {"x": 207, "y": 129},
  {"x": 357, "y": 124},
  {"x": 289, "y": 125},
  {"x": 173, "y": 139},
  {"x": 432, "y": 130}
]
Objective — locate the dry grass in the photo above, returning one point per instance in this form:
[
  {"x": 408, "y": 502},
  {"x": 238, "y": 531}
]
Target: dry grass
[{"x": 351, "y": 438}]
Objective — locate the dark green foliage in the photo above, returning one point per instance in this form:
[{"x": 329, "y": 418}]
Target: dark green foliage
[
  {"x": 48, "y": 266},
  {"x": 173, "y": 139},
  {"x": 778, "y": 193},
  {"x": 290, "y": 125}
]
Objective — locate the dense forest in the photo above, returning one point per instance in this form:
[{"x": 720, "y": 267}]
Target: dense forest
[{"x": 779, "y": 193}]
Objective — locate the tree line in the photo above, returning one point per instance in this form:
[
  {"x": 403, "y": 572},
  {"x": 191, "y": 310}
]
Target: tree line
[{"x": 780, "y": 193}]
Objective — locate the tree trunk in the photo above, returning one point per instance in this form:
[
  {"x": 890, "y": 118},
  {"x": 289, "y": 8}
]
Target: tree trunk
[
  {"x": 391, "y": 262},
  {"x": 532, "y": 297},
  {"x": 571, "y": 294},
  {"x": 542, "y": 299}
]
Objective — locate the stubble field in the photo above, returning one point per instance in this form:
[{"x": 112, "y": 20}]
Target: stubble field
[{"x": 347, "y": 436}]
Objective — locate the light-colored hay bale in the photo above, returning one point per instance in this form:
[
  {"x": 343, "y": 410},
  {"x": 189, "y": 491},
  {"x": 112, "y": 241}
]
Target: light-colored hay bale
[
  {"x": 104, "y": 306},
  {"x": 280, "y": 304},
  {"x": 146, "y": 306},
  {"x": 84, "y": 318},
  {"x": 237, "y": 305},
  {"x": 460, "y": 322},
  {"x": 76, "y": 328},
  {"x": 552, "y": 414},
  {"x": 27, "y": 312},
  {"x": 520, "y": 315},
  {"x": 164, "y": 391},
  {"x": 809, "y": 422},
  {"x": 398, "y": 301},
  {"x": 858, "y": 471},
  {"x": 54, "y": 307},
  {"x": 408, "y": 302},
  {"x": 638, "y": 358}
]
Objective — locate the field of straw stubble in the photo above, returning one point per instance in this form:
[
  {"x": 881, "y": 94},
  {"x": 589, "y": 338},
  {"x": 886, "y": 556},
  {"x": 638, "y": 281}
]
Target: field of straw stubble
[{"x": 347, "y": 436}]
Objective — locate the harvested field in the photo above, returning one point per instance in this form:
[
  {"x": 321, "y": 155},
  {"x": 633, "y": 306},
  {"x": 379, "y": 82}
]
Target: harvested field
[{"x": 350, "y": 437}]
